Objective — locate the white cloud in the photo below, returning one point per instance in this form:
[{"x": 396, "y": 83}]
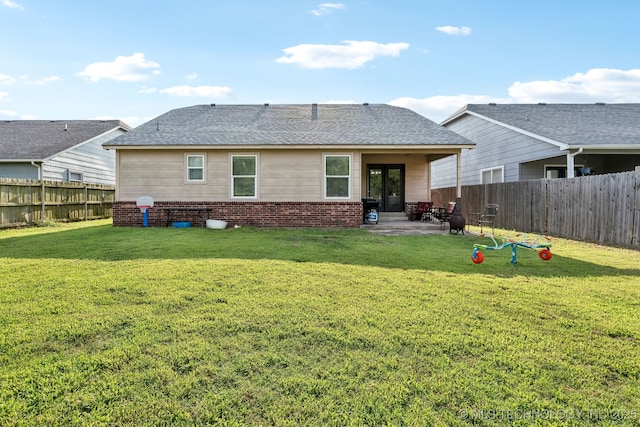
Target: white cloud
[
  {"x": 12, "y": 5},
  {"x": 198, "y": 91},
  {"x": 454, "y": 31},
  {"x": 132, "y": 68},
  {"x": 595, "y": 85},
  {"x": 41, "y": 82},
  {"x": 326, "y": 8},
  {"x": 12, "y": 115},
  {"x": 9, "y": 80},
  {"x": 132, "y": 121},
  {"x": 438, "y": 108},
  {"x": 191, "y": 76},
  {"x": 147, "y": 90},
  {"x": 350, "y": 55},
  {"x": 6, "y": 79}
]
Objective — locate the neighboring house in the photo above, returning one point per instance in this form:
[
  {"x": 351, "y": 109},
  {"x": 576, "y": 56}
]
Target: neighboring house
[
  {"x": 517, "y": 142},
  {"x": 59, "y": 150},
  {"x": 279, "y": 165}
]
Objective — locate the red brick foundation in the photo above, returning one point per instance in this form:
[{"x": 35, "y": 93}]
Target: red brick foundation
[{"x": 256, "y": 214}]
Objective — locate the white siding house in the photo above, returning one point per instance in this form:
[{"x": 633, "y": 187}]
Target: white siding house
[
  {"x": 59, "y": 150},
  {"x": 517, "y": 142}
]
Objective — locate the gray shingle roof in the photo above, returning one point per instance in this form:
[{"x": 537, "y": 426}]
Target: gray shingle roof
[
  {"x": 571, "y": 124},
  {"x": 277, "y": 125},
  {"x": 40, "y": 139}
]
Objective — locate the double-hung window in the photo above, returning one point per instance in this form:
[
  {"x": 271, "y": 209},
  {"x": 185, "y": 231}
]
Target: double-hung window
[
  {"x": 195, "y": 168},
  {"x": 337, "y": 176},
  {"x": 493, "y": 175},
  {"x": 244, "y": 173}
]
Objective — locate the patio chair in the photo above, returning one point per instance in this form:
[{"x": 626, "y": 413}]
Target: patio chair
[
  {"x": 488, "y": 216},
  {"x": 445, "y": 214},
  {"x": 420, "y": 211}
]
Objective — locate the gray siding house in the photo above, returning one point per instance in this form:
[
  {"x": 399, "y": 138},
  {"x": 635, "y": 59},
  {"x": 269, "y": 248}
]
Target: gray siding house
[
  {"x": 279, "y": 165},
  {"x": 59, "y": 150},
  {"x": 517, "y": 142}
]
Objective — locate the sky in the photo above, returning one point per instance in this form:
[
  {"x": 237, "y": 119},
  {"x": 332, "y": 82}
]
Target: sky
[{"x": 134, "y": 60}]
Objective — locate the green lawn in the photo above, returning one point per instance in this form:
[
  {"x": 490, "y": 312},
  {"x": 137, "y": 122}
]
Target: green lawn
[{"x": 161, "y": 326}]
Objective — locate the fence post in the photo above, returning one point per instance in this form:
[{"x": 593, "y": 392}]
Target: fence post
[
  {"x": 86, "y": 202},
  {"x": 43, "y": 202}
]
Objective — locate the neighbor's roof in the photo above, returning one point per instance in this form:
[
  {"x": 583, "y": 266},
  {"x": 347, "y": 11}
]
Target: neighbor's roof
[
  {"x": 294, "y": 125},
  {"x": 36, "y": 140},
  {"x": 571, "y": 124}
]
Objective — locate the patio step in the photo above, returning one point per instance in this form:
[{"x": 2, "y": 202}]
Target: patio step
[{"x": 392, "y": 216}]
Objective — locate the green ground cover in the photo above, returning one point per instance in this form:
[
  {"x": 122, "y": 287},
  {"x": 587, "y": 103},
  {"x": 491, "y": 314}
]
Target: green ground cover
[{"x": 160, "y": 326}]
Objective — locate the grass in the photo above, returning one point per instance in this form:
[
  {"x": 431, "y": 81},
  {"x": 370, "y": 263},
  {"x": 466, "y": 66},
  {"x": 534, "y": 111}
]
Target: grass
[{"x": 160, "y": 326}]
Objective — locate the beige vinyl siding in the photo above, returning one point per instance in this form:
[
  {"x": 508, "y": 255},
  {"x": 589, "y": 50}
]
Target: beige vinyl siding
[{"x": 283, "y": 175}]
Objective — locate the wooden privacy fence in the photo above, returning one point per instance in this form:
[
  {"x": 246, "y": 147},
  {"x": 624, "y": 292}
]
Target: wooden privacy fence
[
  {"x": 598, "y": 208},
  {"x": 32, "y": 201}
]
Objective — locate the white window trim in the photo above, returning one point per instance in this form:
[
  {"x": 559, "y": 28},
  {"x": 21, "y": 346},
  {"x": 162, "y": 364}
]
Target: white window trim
[
  {"x": 324, "y": 176},
  {"x": 187, "y": 168},
  {"x": 70, "y": 172},
  {"x": 495, "y": 168},
  {"x": 255, "y": 177}
]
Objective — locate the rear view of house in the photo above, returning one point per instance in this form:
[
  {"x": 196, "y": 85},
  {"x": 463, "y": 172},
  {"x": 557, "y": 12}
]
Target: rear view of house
[
  {"x": 279, "y": 165},
  {"x": 59, "y": 150}
]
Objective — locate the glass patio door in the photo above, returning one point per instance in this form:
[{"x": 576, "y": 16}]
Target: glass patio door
[{"x": 386, "y": 183}]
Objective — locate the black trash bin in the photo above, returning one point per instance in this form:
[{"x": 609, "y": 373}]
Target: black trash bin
[{"x": 369, "y": 204}]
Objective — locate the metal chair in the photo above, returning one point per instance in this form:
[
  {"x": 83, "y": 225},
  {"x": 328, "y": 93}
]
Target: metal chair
[{"x": 488, "y": 216}]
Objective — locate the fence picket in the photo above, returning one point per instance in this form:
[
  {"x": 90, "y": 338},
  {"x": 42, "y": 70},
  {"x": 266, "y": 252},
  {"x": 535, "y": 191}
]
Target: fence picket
[{"x": 31, "y": 201}]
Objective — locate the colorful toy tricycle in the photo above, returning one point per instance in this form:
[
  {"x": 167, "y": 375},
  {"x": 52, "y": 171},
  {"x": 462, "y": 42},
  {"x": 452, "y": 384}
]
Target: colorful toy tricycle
[{"x": 543, "y": 248}]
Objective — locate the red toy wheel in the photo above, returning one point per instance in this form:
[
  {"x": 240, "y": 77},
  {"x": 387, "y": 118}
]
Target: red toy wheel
[
  {"x": 478, "y": 258},
  {"x": 545, "y": 254}
]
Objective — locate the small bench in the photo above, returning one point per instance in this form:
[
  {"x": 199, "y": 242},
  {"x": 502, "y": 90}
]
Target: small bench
[{"x": 202, "y": 212}]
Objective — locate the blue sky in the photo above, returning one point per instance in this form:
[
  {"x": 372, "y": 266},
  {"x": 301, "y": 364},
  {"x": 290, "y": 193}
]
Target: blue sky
[{"x": 134, "y": 59}]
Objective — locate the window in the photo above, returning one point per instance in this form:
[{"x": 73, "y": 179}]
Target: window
[
  {"x": 244, "y": 176},
  {"x": 337, "y": 172},
  {"x": 73, "y": 176},
  {"x": 491, "y": 176},
  {"x": 195, "y": 168},
  {"x": 553, "y": 171}
]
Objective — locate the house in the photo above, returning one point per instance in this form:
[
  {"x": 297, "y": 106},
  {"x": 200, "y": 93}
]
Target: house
[
  {"x": 279, "y": 165},
  {"x": 517, "y": 142},
  {"x": 59, "y": 150}
]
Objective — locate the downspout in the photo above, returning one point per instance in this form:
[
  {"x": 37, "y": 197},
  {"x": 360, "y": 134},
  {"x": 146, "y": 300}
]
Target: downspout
[
  {"x": 42, "y": 201},
  {"x": 571, "y": 163}
]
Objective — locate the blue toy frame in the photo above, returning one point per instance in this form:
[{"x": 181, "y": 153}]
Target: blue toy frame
[{"x": 543, "y": 248}]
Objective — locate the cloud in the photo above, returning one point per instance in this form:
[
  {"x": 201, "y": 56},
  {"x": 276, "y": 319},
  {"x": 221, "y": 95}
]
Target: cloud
[
  {"x": 12, "y": 115},
  {"x": 350, "y": 55},
  {"x": 595, "y": 85},
  {"x": 12, "y": 5},
  {"x": 10, "y": 80},
  {"x": 134, "y": 68},
  {"x": 147, "y": 90},
  {"x": 191, "y": 76},
  {"x": 43, "y": 81},
  {"x": 4, "y": 95},
  {"x": 198, "y": 91},
  {"x": 438, "y": 108},
  {"x": 6, "y": 79},
  {"x": 454, "y": 31},
  {"x": 326, "y": 8}
]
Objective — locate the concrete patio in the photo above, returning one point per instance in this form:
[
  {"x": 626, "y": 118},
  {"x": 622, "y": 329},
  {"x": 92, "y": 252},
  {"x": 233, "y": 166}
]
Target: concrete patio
[{"x": 397, "y": 224}]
